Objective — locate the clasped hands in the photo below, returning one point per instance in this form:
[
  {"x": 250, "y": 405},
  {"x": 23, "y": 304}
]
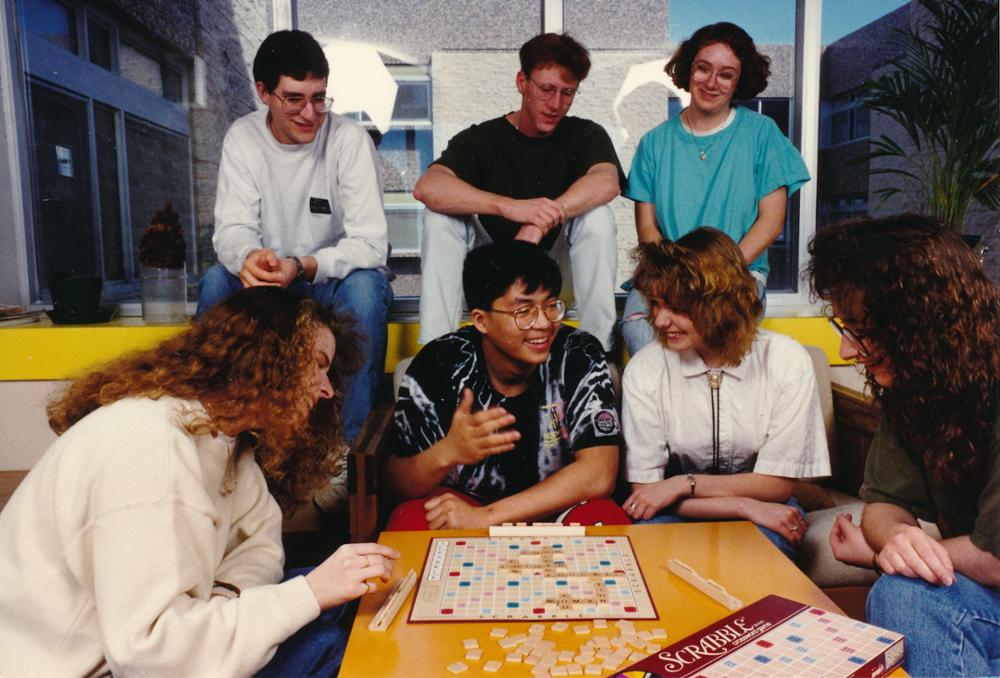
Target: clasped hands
[
  {"x": 264, "y": 267},
  {"x": 537, "y": 217},
  {"x": 910, "y": 552}
]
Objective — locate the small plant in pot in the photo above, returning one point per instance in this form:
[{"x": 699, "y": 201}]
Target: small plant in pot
[{"x": 164, "y": 273}]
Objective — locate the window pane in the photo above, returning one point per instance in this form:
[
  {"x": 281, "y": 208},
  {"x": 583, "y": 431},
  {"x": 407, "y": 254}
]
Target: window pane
[
  {"x": 108, "y": 190},
  {"x": 159, "y": 171},
  {"x": 53, "y": 21},
  {"x": 857, "y": 44},
  {"x": 139, "y": 68},
  {"x": 779, "y": 110},
  {"x": 65, "y": 234},
  {"x": 413, "y": 101},
  {"x": 99, "y": 39},
  {"x": 173, "y": 87},
  {"x": 404, "y": 154}
]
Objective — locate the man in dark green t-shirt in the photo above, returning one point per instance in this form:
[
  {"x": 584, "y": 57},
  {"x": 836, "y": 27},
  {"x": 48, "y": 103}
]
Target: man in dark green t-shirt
[{"x": 533, "y": 174}]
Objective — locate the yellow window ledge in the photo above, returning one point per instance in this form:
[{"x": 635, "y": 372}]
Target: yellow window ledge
[{"x": 42, "y": 351}]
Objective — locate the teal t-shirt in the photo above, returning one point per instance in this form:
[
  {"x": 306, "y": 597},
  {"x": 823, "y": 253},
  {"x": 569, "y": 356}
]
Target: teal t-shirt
[{"x": 742, "y": 163}]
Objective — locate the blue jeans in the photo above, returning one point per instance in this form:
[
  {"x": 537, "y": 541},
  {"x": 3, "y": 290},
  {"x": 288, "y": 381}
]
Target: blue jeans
[
  {"x": 783, "y": 544},
  {"x": 950, "y": 630},
  {"x": 364, "y": 294},
  {"x": 317, "y": 649}
]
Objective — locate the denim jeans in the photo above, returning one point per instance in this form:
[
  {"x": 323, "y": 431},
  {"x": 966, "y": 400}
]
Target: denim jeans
[
  {"x": 365, "y": 294},
  {"x": 317, "y": 649},
  {"x": 586, "y": 251},
  {"x": 783, "y": 544},
  {"x": 950, "y": 630}
]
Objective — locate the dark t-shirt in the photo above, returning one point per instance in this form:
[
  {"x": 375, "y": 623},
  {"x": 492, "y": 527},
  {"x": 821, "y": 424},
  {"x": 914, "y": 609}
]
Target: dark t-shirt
[
  {"x": 493, "y": 156},
  {"x": 569, "y": 406},
  {"x": 896, "y": 474}
]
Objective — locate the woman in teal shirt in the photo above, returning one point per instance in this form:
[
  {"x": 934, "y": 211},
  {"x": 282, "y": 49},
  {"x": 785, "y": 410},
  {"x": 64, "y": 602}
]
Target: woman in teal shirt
[{"x": 714, "y": 164}]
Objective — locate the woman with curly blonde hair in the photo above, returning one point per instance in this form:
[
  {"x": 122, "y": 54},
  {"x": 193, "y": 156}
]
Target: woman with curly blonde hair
[
  {"x": 719, "y": 416},
  {"x": 916, "y": 309},
  {"x": 145, "y": 541}
]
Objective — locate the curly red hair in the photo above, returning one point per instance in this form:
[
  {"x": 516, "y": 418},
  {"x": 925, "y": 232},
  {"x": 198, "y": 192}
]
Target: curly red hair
[
  {"x": 704, "y": 272},
  {"x": 928, "y": 304},
  {"x": 249, "y": 359}
]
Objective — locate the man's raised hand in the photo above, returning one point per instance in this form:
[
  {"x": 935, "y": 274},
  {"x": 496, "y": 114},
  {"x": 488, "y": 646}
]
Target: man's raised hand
[{"x": 474, "y": 436}]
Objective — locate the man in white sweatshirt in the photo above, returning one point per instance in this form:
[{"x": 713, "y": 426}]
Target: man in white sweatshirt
[{"x": 299, "y": 205}]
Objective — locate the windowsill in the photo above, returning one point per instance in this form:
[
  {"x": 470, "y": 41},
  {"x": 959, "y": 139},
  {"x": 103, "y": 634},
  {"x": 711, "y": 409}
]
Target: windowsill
[{"x": 43, "y": 351}]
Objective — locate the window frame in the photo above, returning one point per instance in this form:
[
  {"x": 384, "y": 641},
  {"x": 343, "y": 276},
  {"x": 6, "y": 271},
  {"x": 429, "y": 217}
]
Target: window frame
[{"x": 34, "y": 60}]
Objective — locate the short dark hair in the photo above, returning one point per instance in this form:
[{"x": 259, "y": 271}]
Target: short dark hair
[
  {"x": 292, "y": 53},
  {"x": 491, "y": 270},
  {"x": 553, "y": 48},
  {"x": 755, "y": 68}
]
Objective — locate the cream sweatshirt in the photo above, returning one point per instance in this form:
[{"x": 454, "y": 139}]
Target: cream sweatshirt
[
  {"x": 111, "y": 547},
  {"x": 322, "y": 199}
]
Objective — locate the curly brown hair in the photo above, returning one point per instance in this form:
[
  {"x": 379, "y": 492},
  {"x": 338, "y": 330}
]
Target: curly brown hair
[
  {"x": 704, "y": 273},
  {"x": 755, "y": 68},
  {"x": 249, "y": 359},
  {"x": 927, "y": 305}
]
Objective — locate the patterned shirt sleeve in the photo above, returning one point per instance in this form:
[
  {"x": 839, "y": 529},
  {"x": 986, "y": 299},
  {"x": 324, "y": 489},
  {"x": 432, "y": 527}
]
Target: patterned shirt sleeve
[{"x": 591, "y": 414}]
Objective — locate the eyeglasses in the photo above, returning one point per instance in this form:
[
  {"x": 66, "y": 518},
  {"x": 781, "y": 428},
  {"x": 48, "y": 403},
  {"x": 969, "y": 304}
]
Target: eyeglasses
[
  {"x": 853, "y": 337},
  {"x": 525, "y": 316},
  {"x": 293, "y": 104},
  {"x": 546, "y": 92}
]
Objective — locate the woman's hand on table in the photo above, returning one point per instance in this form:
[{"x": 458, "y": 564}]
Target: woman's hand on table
[
  {"x": 786, "y": 520},
  {"x": 648, "y": 499},
  {"x": 345, "y": 575}
]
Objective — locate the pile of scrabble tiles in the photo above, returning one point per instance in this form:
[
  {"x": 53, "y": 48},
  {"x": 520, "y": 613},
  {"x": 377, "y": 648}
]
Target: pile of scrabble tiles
[{"x": 600, "y": 649}]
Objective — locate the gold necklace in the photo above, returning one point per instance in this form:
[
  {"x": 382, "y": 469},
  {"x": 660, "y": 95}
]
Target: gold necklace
[{"x": 689, "y": 128}]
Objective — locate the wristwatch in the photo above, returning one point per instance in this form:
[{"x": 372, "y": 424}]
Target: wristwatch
[
  {"x": 692, "y": 482},
  {"x": 300, "y": 270}
]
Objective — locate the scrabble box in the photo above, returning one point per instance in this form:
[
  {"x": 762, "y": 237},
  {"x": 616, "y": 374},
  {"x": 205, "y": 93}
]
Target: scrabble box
[{"x": 778, "y": 637}]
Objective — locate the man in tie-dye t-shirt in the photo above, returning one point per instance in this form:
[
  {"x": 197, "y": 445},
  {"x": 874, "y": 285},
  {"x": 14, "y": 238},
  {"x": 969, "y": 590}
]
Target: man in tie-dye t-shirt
[{"x": 512, "y": 418}]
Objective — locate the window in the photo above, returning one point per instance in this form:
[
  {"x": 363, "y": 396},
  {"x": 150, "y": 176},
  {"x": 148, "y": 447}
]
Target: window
[
  {"x": 109, "y": 143},
  {"x": 844, "y": 118},
  {"x": 404, "y": 152}
]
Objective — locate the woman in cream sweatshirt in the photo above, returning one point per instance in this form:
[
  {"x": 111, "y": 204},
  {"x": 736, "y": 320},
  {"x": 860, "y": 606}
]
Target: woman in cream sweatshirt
[{"x": 146, "y": 540}]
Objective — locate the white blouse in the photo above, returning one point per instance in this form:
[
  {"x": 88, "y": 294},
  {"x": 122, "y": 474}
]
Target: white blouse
[{"x": 770, "y": 420}]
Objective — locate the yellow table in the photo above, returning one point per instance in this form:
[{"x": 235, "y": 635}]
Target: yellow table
[{"x": 734, "y": 554}]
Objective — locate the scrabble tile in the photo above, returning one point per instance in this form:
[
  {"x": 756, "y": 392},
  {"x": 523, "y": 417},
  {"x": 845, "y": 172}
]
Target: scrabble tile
[
  {"x": 457, "y": 667},
  {"x": 474, "y": 654},
  {"x": 492, "y": 666},
  {"x": 470, "y": 643},
  {"x": 498, "y": 632}
]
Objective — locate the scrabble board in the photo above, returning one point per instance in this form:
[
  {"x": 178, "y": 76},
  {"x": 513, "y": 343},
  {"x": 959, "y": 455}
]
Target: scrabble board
[
  {"x": 531, "y": 578},
  {"x": 778, "y": 637}
]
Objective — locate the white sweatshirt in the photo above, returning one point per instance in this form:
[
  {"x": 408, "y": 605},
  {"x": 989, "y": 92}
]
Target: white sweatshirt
[
  {"x": 275, "y": 195},
  {"x": 111, "y": 547}
]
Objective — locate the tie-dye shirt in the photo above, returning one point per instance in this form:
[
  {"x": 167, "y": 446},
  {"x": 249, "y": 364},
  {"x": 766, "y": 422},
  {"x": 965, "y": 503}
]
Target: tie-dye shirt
[{"x": 569, "y": 406}]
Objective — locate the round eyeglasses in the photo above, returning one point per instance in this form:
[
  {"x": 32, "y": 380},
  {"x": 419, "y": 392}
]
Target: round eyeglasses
[
  {"x": 525, "y": 316},
  {"x": 546, "y": 91},
  {"x": 293, "y": 104},
  {"x": 855, "y": 339}
]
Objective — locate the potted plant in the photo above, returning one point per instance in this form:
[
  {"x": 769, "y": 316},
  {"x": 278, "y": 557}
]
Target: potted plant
[
  {"x": 164, "y": 272},
  {"x": 941, "y": 91}
]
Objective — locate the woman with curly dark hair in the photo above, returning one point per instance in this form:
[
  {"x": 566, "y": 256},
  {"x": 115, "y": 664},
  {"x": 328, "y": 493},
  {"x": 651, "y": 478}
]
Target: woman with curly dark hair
[
  {"x": 715, "y": 164},
  {"x": 145, "y": 541},
  {"x": 719, "y": 416},
  {"x": 916, "y": 309}
]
